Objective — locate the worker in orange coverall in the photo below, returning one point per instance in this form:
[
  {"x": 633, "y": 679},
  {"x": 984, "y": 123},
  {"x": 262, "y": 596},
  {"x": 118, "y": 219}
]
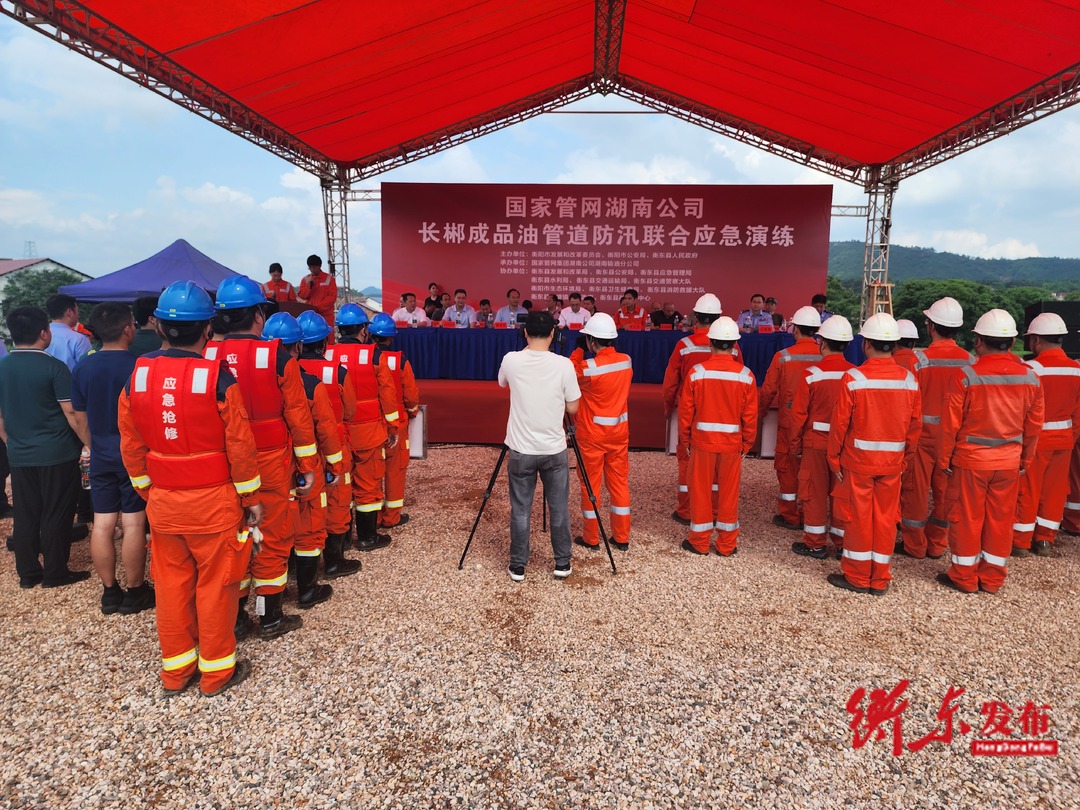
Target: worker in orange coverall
[
  {"x": 343, "y": 400},
  {"x": 382, "y": 333},
  {"x": 1071, "y": 523},
  {"x": 904, "y": 356},
  {"x": 811, "y": 410},
  {"x": 319, "y": 289},
  {"x": 374, "y": 427},
  {"x": 311, "y": 534},
  {"x": 785, "y": 371},
  {"x": 718, "y": 423},
  {"x": 874, "y": 431},
  {"x": 992, "y": 420},
  {"x": 281, "y": 422},
  {"x": 1045, "y": 486},
  {"x": 602, "y": 429},
  {"x": 277, "y": 289},
  {"x": 189, "y": 450},
  {"x": 925, "y": 532},
  {"x": 688, "y": 352}
]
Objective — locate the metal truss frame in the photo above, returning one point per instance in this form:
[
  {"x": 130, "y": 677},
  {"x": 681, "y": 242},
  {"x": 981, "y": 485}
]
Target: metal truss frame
[
  {"x": 335, "y": 195},
  {"x": 876, "y": 289},
  {"x": 610, "y": 17}
]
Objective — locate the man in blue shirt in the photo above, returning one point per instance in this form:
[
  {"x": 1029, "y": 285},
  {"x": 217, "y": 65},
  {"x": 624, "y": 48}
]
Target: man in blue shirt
[
  {"x": 96, "y": 385},
  {"x": 44, "y": 443},
  {"x": 512, "y": 311},
  {"x": 460, "y": 313},
  {"x": 67, "y": 345},
  {"x": 750, "y": 320}
]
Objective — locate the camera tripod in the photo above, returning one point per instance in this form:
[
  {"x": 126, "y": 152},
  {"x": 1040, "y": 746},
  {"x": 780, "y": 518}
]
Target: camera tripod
[{"x": 572, "y": 439}]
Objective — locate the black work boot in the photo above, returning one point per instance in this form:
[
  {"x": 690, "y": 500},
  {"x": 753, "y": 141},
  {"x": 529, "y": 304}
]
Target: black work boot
[
  {"x": 334, "y": 561},
  {"x": 273, "y": 622},
  {"x": 308, "y": 590},
  {"x": 244, "y": 623},
  {"x": 367, "y": 535}
]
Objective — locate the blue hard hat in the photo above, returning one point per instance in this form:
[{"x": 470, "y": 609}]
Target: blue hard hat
[
  {"x": 382, "y": 325},
  {"x": 313, "y": 325},
  {"x": 184, "y": 301},
  {"x": 237, "y": 292},
  {"x": 284, "y": 327},
  {"x": 351, "y": 315}
]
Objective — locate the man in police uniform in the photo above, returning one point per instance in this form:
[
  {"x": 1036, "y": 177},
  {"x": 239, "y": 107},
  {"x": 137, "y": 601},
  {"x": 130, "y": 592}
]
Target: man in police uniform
[{"x": 750, "y": 320}]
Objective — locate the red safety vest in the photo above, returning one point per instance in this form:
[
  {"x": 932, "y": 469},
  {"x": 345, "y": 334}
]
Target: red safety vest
[
  {"x": 394, "y": 361},
  {"x": 327, "y": 372},
  {"x": 358, "y": 359},
  {"x": 254, "y": 364},
  {"x": 174, "y": 407}
]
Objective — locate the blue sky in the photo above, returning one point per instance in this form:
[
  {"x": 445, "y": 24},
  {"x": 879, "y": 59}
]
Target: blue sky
[{"x": 100, "y": 173}]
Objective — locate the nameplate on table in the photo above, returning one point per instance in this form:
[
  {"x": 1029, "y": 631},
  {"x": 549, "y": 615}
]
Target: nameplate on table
[
  {"x": 665, "y": 327},
  {"x": 501, "y": 324},
  {"x": 401, "y": 324}
]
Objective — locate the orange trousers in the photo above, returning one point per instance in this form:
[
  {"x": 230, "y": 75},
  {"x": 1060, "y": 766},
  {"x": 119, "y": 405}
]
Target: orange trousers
[
  {"x": 339, "y": 505},
  {"x": 714, "y": 499},
  {"x": 612, "y": 461},
  {"x": 369, "y": 469},
  {"x": 924, "y": 531},
  {"x": 397, "y": 464},
  {"x": 197, "y": 582},
  {"x": 269, "y": 568},
  {"x": 871, "y": 531},
  {"x": 1071, "y": 523},
  {"x": 1040, "y": 502},
  {"x": 787, "y": 476},
  {"x": 311, "y": 519},
  {"x": 981, "y": 505},
  {"x": 816, "y": 484},
  {"x": 682, "y": 506}
]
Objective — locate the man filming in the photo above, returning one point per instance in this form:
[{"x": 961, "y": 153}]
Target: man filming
[{"x": 543, "y": 388}]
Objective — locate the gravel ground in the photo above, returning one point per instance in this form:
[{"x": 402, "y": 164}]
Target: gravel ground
[{"x": 682, "y": 682}]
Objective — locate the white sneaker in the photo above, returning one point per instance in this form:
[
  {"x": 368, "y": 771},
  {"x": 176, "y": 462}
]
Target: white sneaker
[
  {"x": 517, "y": 573},
  {"x": 563, "y": 571}
]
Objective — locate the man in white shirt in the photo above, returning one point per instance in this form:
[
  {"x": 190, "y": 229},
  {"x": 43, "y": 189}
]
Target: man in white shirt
[
  {"x": 410, "y": 312},
  {"x": 460, "y": 313},
  {"x": 574, "y": 316},
  {"x": 509, "y": 313},
  {"x": 543, "y": 389}
]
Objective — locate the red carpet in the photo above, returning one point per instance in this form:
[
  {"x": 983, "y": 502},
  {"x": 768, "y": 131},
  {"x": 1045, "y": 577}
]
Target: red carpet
[{"x": 475, "y": 412}]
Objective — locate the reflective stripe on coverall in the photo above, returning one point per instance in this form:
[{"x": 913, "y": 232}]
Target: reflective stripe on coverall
[{"x": 397, "y": 457}]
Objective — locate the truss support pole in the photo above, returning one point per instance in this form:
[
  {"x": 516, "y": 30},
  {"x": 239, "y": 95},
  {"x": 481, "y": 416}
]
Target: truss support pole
[
  {"x": 335, "y": 192},
  {"x": 876, "y": 289}
]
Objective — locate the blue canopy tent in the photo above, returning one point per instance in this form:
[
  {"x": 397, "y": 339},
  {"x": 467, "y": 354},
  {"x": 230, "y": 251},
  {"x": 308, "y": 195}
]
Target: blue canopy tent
[{"x": 178, "y": 262}]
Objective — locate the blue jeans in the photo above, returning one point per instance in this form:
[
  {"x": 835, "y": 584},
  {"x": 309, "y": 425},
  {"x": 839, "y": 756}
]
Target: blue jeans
[{"x": 555, "y": 474}]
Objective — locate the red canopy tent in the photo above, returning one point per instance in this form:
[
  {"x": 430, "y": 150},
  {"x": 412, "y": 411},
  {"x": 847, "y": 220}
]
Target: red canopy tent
[{"x": 868, "y": 91}]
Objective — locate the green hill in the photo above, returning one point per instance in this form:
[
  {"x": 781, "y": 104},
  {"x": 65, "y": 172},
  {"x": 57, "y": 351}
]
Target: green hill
[{"x": 846, "y": 261}]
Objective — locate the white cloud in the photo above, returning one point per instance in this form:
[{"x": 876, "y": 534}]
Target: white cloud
[{"x": 969, "y": 243}]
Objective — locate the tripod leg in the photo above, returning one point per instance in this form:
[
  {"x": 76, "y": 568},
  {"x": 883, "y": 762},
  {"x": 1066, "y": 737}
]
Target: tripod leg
[
  {"x": 487, "y": 495},
  {"x": 592, "y": 499}
]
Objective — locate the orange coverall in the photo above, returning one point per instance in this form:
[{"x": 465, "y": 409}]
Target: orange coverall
[
  {"x": 905, "y": 358},
  {"x": 631, "y": 318},
  {"x": 786, "y": 369},
  {"x": 688, "y": 352},
  {"x": 603, "y": 437},
  {"x": 1045, "y": 486},
  {"x": 1071, "y": 523},
  {"x": 718, "y": 422},
  {"x": 311, "y": 533},
  {"x": 397, "y": 457},
  {"x": 926, "y": 532},
  {"x": 992, "y": 419},
  {"x": 319, "y": 289},
  {"x": 279, "y": 290},
  {"x": 199, "y": 544},
  {"x": 375, "y": 418},
  {"x": 874, "y": 431},
  {"x": 811, "y": 410},
  {"x": 343, "y": 401},
  {"x": 280, "y": 436}
]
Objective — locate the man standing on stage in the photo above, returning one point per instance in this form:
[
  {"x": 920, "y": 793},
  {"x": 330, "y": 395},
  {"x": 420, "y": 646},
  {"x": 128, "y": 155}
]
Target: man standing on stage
[{"x": 319, "y": 289}]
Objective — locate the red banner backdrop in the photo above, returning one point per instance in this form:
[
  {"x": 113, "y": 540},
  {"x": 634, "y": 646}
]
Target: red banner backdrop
[{"x": 670, "y": 243}]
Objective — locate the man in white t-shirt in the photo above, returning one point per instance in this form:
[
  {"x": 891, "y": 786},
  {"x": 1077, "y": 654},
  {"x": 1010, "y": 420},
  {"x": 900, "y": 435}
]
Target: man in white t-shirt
[
  {"x": 574, "y": 316},
  {"x": 410, "y": 312},
  {"x": 543, "y": 389}
]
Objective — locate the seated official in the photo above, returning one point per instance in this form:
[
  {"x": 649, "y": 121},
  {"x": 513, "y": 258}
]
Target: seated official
[
  {"x": 751, "y": 320},
  {"x": 574, "y": 316},
  {"x": 666, "y": 316},
  {"x": 630, "y": 315},
  {"x": 411, "y": 313},
  {"x": 445, "y": 303},
  {"x": 460, "y": 313},
  {"x": 485, "y": 315},
  {"x": 514, "y": 311}
]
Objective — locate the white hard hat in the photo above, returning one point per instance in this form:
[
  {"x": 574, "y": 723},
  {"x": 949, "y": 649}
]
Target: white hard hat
[
  {"x": 806, "y": 316},
  {"x": 880, "y": 326},
  {"x": 836, "y": 328},
  {"x": 908, "y": 330},
  {"x": 708, "y": 304},
  {"x": 601, "y": 325},
  {"x": 997, "y": 323},
  {"x": 946, "y": 312},
  {"x": 723, "y": 328},
  {"x": 1047, "y": 323}
]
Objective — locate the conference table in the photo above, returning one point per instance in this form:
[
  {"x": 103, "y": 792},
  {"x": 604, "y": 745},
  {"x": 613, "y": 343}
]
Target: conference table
[{"x": 475, "y": 354}]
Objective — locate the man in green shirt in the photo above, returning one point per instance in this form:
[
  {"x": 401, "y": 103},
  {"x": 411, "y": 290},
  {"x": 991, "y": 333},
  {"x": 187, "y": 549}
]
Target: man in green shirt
[{"x": 41, "y": 431}]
